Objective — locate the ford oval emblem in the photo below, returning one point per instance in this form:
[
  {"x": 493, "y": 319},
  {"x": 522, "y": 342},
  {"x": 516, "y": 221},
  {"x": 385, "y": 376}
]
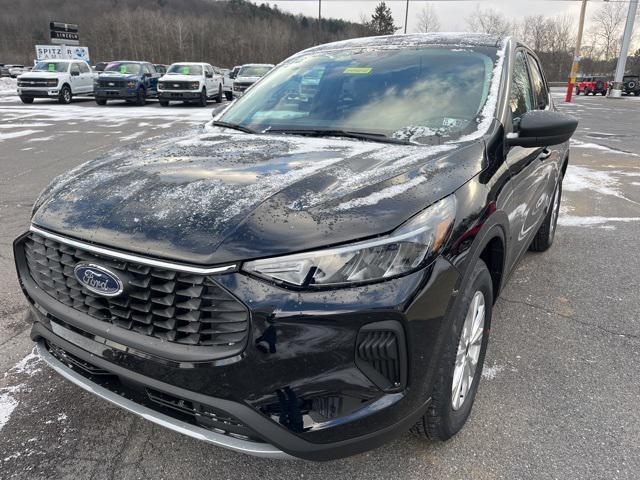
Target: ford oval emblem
[{"x": 98, "y": 279}]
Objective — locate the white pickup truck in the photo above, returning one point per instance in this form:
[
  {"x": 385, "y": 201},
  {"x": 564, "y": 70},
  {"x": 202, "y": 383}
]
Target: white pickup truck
[
  {"x": 249, "y": 74},
  {"x": 61, "y": 79},
  {"x": 191, "y": 82}
]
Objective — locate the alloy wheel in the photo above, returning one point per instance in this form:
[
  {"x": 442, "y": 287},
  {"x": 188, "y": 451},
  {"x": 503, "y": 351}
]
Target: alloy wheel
[{"x": 468, "y": 352}]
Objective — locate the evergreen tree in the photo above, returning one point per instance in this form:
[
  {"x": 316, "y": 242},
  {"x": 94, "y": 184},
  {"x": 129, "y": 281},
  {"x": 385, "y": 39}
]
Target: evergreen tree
[{"x": 382, "y": 21}]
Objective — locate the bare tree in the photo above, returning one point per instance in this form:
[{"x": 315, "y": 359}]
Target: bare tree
[
  {"x": 606, "y": 29},
  {"x": 428, "y": 20},
  {"x": 489, "y": 21}
]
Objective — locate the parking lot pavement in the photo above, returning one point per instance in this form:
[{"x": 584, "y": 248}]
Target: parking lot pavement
[{"x": 560, "y": 387}]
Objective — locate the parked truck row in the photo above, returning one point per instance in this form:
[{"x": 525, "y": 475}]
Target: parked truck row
[{"x": 137, "y": 81}]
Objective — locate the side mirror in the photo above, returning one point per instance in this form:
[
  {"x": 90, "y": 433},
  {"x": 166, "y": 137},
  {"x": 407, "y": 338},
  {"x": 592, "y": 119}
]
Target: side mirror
[
  {"x": 542, "y": 128},
  {"x": 75, "y": 74}
]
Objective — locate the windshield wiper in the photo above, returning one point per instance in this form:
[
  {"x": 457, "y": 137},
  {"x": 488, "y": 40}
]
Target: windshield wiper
[
  {"x": 313, "y": 132},
  {"x": 233, "y": 126}
]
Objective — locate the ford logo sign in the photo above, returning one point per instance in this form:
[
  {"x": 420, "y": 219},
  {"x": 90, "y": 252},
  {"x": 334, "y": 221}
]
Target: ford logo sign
[{"x": 98, "y": 279}]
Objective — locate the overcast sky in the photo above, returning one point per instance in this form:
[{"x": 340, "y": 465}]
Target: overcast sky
[{"x": 451, "y": 13}]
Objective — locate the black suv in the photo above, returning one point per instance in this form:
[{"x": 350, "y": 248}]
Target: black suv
[{"x": 315, "y": 273}]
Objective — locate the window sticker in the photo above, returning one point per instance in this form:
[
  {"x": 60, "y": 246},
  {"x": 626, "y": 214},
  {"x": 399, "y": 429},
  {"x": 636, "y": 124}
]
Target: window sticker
[
  {"x": 358, "y": 70},
  {"x": 185, "y": 70},
  {"x": 51, "y": 67},
  {"x": 123, "y": 69}
]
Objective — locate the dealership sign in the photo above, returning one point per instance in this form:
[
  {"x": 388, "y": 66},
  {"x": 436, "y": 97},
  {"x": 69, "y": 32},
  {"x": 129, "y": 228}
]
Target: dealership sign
[
  {"x": 64, "y": 33},
  {"x": 50, "y": 52}
]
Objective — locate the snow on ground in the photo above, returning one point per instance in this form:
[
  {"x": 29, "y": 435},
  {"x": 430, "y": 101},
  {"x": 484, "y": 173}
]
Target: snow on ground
[
  {"x": 8, "y": 86},
  {"x": 8, "y": 402}
]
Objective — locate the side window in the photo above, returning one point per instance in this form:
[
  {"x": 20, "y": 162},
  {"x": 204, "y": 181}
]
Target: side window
[
  {"x": 84, "y": 68},
  {"x": 148, "y": 68},
  {"x": 521, "y": 95},
  {"x": 540, "y": 93},
  {"x": 74, "y": 68}
]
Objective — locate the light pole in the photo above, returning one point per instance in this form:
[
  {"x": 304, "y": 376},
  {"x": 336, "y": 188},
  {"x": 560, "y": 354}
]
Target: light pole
[
  {"x": 406, "y": 17},
  {"x": 616, "y": 90},
  {"x": 576, "y": 55}
]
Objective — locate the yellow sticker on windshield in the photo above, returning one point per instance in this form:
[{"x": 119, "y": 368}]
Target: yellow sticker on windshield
[{"x": 358, "y": 70}]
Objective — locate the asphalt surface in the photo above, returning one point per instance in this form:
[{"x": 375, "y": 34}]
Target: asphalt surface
[{"x": 560, "y": 386}]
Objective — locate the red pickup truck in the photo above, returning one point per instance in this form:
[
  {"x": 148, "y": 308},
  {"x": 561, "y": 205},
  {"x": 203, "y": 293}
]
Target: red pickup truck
[{"x": 593, "y": 85}]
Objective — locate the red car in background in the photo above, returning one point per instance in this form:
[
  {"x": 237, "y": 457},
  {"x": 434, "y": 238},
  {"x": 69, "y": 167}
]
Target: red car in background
[{"x": 592, "y": 85}]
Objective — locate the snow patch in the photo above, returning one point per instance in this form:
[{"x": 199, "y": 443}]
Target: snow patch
[
  {"x": 491, "y": 372},
  {"x": 8, "y": 403},
  {"x": 576, "y": 221},
  {"x": 20, "y": 133},
  {"x": 383, "y": 194}
]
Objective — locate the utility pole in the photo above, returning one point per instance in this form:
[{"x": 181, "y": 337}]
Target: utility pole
[
  {"x": 406, "y": 17},
  {"x": 319, "y": 20},
  {"x": 616, "y": 91},
  {"x": 576, "y": 55}
]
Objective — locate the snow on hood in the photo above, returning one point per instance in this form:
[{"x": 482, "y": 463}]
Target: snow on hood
[{"x": 213, "y": 197}]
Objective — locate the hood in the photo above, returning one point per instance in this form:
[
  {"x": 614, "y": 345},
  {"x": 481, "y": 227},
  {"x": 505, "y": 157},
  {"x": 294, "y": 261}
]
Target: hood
[
  {"x": 224, "y": 196},
  {"x": 117, "y": 76},
  {"x": 27, "y": 75},
  {"x": 173, "y": 77},
  {"x": 247, "y": 79}
]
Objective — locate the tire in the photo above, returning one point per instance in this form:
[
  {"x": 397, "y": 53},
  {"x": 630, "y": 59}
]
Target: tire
[
  {"x": 577, "y": 91},
  {"x": 65, "y": 95},
  {"x": 141, "y": 98},
  {"x": 447, "y": 412},
  {"x": 164, "y": 103},
  {"x": 637, "y": 93},
  {"x": 219, "y": 96},
  {"x": 202, "y": 102},
  {"x": 547, "y": 231},
  {"x": 228, "y": 96},
  {"x": 101, "y": 101},
  {"x": 27, "y": 100}
]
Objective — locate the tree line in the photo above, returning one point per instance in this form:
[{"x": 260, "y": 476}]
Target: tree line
[
  {"x": 231, "y": 32},
  {"x": 223, "y": 33}
]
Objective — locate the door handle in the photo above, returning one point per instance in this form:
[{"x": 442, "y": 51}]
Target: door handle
[{"x": 546, "y": 153}]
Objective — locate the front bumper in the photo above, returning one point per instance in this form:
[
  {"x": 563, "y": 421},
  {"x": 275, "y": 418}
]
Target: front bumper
[
  {"x": 297, "y": 386},
  {"x": 38, "y": 92},
  {"x": 179, "y": 95},
  {"x": 115, "y": 93}
]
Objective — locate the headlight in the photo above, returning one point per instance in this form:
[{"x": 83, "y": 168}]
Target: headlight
[
  {"x": 195, "y": 85},
  {"x": 52, "y": 83},
  {"x": 414, "y": 244},
  {"x": 132, "y": 84}
]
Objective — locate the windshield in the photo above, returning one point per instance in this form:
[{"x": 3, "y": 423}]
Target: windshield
[
  {"x": 185, "y": 70},
  {"x": 254, "y": 71},
  {"x": 124, "y": 68},
  {"x": 407, "y": 94},
  {"x": 51, "y": 67}
]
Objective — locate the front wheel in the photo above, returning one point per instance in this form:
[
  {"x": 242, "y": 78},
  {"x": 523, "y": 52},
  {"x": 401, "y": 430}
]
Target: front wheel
[
  {"x": 101, "y": 101},
  {"x": 462, "y": 359},
  {"x": 228, "y": 96},
  {"x": 164, "y": 103},
  {"x": 65, "y": 95},
  {"x": 141, "y": 98},
  {"x": 26, "y": 99},
  {"x": 219, "y": 97},
  {"x": 202, "y": 102},
  {"x": 544, "y": 236}
]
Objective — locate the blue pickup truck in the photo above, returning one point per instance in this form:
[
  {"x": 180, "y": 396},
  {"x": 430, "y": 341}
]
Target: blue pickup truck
[{"x": 126, "y": 80}]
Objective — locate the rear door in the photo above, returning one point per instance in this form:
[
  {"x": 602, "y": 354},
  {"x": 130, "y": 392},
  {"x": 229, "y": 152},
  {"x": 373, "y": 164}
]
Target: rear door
[
  {"x": 86, "y": 77},
  {"x": 526, "y": 206},
  {"x": 150, "y": 79}
]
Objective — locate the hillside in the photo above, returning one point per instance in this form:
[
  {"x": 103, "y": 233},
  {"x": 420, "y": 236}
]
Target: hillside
[{"x": 225, "y": 32}]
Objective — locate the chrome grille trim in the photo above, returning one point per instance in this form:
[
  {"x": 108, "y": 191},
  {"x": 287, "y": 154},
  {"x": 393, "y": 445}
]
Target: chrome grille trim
[{"x": 132, "y": 257}]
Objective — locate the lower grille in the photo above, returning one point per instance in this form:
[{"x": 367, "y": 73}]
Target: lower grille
[
  {"x": 173, "y": 306},
  {"x": 381, "y": 354},
  {"x": 163, "y": 402}
]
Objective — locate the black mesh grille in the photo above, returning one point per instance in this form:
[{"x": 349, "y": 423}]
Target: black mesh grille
[
  {"x": 111, "y": 83},
  {"x": 177, "y": 85},
  {"x": 174, "y": 306}
]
